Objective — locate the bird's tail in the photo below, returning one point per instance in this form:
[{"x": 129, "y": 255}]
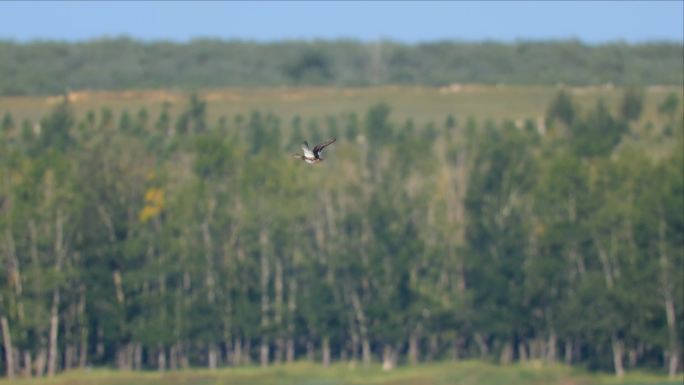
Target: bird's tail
[{"x": 298, "y": 156}]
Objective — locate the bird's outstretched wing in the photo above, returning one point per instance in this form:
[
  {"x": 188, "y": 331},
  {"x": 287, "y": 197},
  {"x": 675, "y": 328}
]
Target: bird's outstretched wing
[
  {"x": 307, "y": 150},
  {"x": 319, "y": 147}
]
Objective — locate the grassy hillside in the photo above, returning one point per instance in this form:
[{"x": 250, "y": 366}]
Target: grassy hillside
[
  {"x": 422, "y": 104},
  {"x": 464, "y": 373}
]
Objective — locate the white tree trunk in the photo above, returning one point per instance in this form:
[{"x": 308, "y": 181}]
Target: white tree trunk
[
  {"x": 99, "y": 347},
  {"x": 209, "y": 252},
  {"x": 212, "y": 350},
  {"x": 14, "y": 278},
  {"x": 212, "y": 356},
  {"x": 413, "y": 347},
  {"x": 670, "y": 313},
  {"x": 459, "y": 210},
  {"x": 123, "y": 357},
  {"x": 173, "y": 357},
  {"x": 482, "y": 344},
  {"x": 54, "y": 311},
  {"x": 632, "y": 358},
  {"x": 365, "y": 351},
  {"x": 506, "y": 353},
  {"x": 263, "y": 353},
  {"x": 69, "y": 355},
  {"x": 137, "y": 356},
  {"x": 237, "y": 352},
  {"x": 278, "y": 316},
  {"x": 265, "y": 277},
  {"x": 118, "y": 286},
  {"x": 552, "y": 347},
  {"x": 522, "y": 351},
  {"x": 161, "y": 359},
  {"x": 14, "y": 272},
  {"x": 354, "y": 343},
  {"x": 389, "y": 358},
  {"x": 605, "y": 262},
  {"x": 672, "y": 367},
  {"x": 609, "y": 274},
  {"x": 7, "y": 342},
  {"x": 618, "y": 353},
  {"x": 52, "y": 341},
  {"x": 309, "y": 351},
  {"x": 290, "y": 356},
  {"x": 568, "y": 352},
  {"x": 28, "y": 364},
  {"x": 183, "y": 355},
  {"x": 83, "y": 348},
  {"x": 291, "y": 308},
  {"x": 41, "y": 361},
  {"x": 573, "y": 254},
  {"x": 457, "y": 347},
  {"x": 326, "y": 351},
  {"x": 433, "y": 347},
  {"x": 363, "y": 328}
]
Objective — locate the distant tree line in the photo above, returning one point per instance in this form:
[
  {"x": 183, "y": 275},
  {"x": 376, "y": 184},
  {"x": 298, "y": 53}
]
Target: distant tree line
[
  {"x": 165, "y": 242},
  {"x": 45, "y": 67}
]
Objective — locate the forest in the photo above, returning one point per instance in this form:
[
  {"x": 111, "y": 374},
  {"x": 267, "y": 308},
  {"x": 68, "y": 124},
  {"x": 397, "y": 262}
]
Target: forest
[
  {"x": 161, "y": 242},
  {"x": 48, "y": 67}
]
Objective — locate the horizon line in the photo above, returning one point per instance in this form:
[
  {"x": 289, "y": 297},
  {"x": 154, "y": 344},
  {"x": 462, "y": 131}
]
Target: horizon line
[{"x": 390, "y": 40}]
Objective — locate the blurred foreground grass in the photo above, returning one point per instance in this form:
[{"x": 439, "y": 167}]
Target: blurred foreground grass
[{"x": 462, "y": 373}]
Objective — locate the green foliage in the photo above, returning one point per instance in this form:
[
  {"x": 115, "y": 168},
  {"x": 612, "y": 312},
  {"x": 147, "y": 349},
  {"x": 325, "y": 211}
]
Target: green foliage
[
  {"x": 670, "y": 105},
  {"x": 494, "y": 241},
  {"x": 562, "y": 108},
  {"x": 632, "y": 104},
  {"x": 450, "y": 122},
  {"x": 378, "y": 128},
  {"x": 125, "y": 123},
  {"x": 214, "y": 156},
  {"x": 598, "y": 134},
  {"x": 56, "y": 127},
  {"x": 352, "y": 127},
  {"x": 312, "y": 66},
  {"x": 164, "y": 120},
  {"x": 122, "y": 63},
  {"x": 7, "y": 122},
  {"x": 193, "y": 119}
]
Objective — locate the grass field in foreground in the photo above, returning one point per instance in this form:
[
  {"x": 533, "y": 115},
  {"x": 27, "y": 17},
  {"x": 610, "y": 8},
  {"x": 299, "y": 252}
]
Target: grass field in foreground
[{"x": 462, "y": 373}]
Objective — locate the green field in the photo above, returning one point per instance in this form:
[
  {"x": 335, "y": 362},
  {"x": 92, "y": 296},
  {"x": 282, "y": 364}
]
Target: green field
[
  {"x": 422, "y": 104},
  {"x": 465, "y": 373}
]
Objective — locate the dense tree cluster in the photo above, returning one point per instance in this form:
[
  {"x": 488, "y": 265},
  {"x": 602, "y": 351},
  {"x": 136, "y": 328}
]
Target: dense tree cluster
[
  {"x": 165, "y": 242},
  {"x": 45, "y": 67}
]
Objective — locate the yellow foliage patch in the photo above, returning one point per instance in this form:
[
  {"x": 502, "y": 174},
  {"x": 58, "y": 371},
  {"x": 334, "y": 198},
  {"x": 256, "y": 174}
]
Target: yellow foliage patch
[
  {"x": 154, "y": 203},
  {"x": 154, "y": 196},
  {"x": 148, "y": 212}
]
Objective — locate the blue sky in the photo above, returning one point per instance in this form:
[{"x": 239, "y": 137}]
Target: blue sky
[{"x": 591, "y": 22}]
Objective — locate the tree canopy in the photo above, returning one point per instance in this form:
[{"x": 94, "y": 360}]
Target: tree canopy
[
  {"x": 50, "y": 67},
  {"x": 180, "y": 241}
]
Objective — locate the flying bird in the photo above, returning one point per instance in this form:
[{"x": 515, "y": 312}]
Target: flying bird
[{"x": 313, "y": 156}]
